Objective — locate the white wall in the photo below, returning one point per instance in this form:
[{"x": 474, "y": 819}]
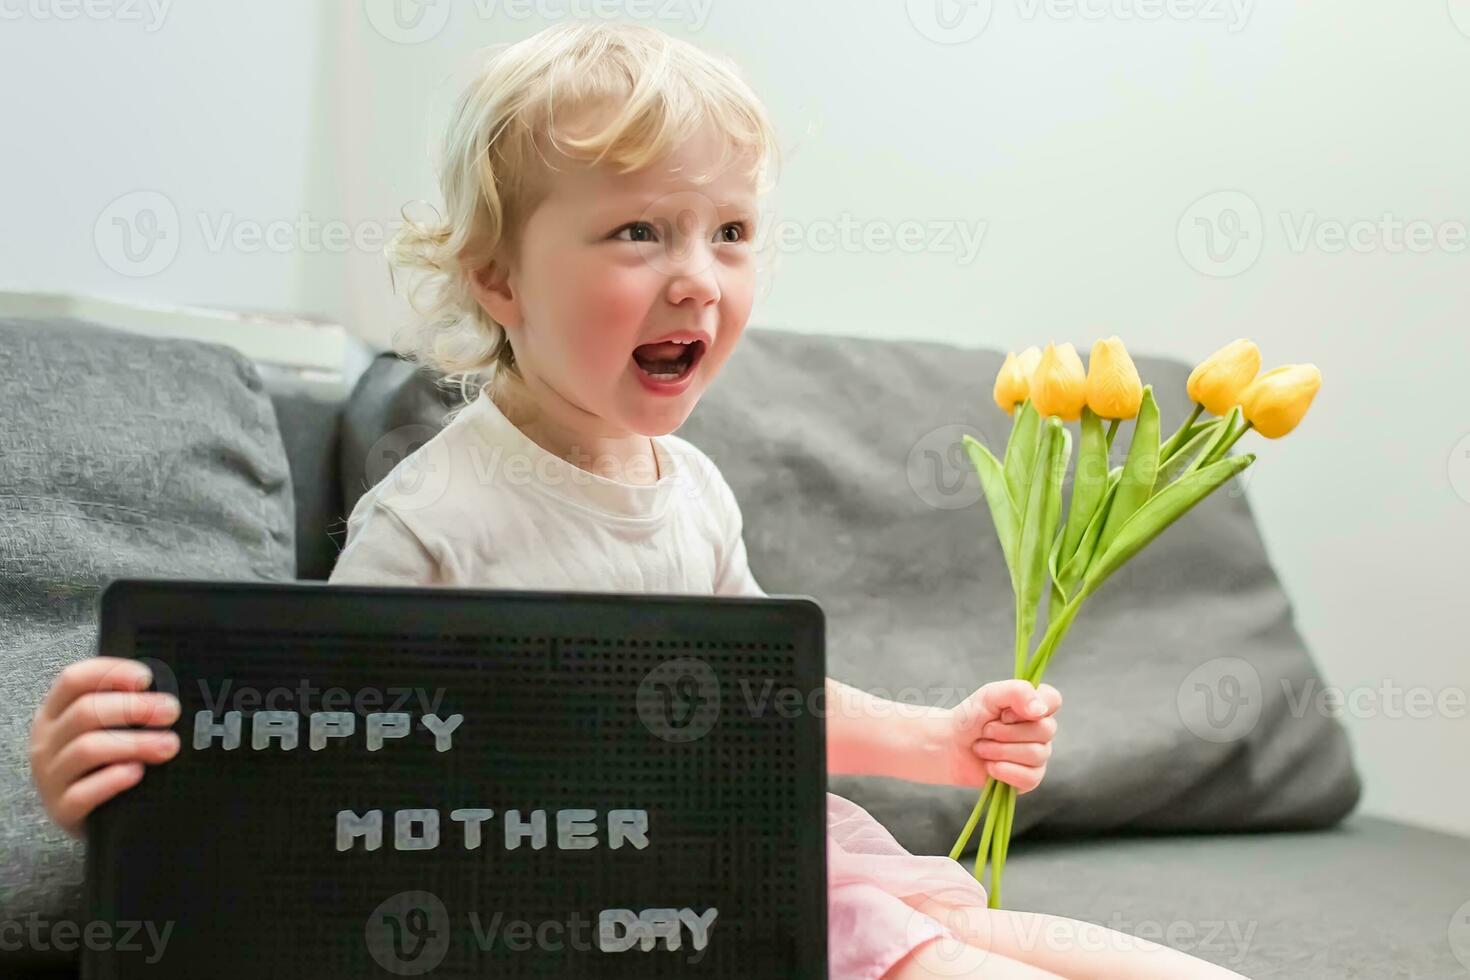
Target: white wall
[
  {"x": 184, "y": 121},
  {"x": 1077, "y": 138}
]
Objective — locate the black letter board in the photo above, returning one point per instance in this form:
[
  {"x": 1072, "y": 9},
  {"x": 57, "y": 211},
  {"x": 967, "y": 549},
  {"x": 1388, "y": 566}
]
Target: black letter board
[{"x": 454, "y": 783}]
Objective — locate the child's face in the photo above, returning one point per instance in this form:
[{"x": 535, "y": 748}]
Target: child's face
[{"x": 609, "y": 263}]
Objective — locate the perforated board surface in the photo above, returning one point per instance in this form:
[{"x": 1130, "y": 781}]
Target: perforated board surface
[{"x": 635, "y": 786}]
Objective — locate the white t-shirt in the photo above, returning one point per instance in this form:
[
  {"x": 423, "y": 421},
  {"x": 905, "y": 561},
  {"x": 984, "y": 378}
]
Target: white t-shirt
[{"x": 481, "y": 505}]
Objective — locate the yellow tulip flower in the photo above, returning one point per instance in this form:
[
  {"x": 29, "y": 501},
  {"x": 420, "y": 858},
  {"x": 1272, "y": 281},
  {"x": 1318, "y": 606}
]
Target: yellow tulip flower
[
  {"x": 1029, "y": 358},
  {"x": 1011, "y": 386},
  {"x": 1059, "y": 386},
  {"x": 1219, "y": 379},
  {"x": 1276, "y": 401},
  {"x": 1114, "y": 390}
]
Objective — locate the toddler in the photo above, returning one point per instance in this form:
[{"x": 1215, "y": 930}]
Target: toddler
[{"x": 592, "y": 272}]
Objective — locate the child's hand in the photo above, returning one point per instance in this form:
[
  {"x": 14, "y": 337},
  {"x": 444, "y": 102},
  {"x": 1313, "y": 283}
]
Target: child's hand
[
  {"x": 82, "y": 753},
  {"x": 1003, "y": 730}
]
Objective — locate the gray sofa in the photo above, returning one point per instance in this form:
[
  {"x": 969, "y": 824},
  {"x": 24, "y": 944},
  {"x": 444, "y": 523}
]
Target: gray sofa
[{"x": 1234, "y": 842}]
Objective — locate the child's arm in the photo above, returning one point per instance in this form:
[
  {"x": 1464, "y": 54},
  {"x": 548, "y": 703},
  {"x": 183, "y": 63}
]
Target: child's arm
[{"x": 1003, "y": 730}]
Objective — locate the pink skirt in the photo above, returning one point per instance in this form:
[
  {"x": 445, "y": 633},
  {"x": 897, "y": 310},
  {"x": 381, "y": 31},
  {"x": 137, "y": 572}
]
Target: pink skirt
[{"x": 869, "y": 874}]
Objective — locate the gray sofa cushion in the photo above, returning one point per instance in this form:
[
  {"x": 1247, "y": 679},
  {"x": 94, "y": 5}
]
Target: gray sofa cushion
[
  {"x": 120, "y": 455},
  {"x": 309, "y": 414},
  {"x": 842, "y": 453},
  {"x": 1367, "y": 898},
  {"x": 394, "y": 408}
]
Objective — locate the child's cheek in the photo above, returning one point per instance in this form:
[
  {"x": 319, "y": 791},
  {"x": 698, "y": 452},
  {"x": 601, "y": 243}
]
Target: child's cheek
[
  {"x": 606, "y": 330},
  {"x": 615, "y": 311}
]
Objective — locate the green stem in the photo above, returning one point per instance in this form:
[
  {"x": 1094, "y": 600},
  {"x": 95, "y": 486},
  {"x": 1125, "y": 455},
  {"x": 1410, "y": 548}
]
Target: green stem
[
  {"x": 1001, "y": 845},
  {"x": 982, "y": 853},
  {"x": 959, "y": 845},
  {"x": 1229, "y": 441},
  {"x": 1180, "y": 436},
  {"x": 1112, "y": 428},
  {"x": 1055, "y": 630},
  {"x": 1020, "y": 657}
]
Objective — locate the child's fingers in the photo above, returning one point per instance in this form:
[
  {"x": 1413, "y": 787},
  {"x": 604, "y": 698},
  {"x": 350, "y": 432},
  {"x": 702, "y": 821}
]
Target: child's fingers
[
  {"x": 90, "y": 792},
  {"x": 93, "y": 674},
  {"x": 114, "y": 709},
  {"x": 1021, "y": 731},
  {"x": 1016, "y": 696},
  {"x": 1049, "y": 696},
  {"x": 102, "y": 747},
  {"x": 1021, "y": 753},
  {"x": 1024, "y": 778}
]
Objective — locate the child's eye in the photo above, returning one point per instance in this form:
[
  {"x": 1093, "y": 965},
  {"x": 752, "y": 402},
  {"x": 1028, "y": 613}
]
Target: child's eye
[
  {"x": 643, "y": 231},
  {"x": 633, "y": 228}
]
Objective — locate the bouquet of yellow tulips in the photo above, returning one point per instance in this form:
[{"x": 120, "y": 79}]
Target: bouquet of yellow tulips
[{"x": 1114, "y": 512}]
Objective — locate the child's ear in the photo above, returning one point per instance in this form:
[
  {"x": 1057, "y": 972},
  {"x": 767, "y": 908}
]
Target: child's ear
[{"x": 492, "y": 289}]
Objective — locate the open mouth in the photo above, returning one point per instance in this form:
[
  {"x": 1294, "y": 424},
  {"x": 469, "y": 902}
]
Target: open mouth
[{"x": 668, "y": 362}]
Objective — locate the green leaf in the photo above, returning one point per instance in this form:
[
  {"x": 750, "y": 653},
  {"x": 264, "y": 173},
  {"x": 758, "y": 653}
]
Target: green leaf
[
  {"x": 1089, "y": 483},
  {"x": 1166, "y": 507},
  {"x": 1038, "y": 526},
  {"x": 1190, "y": 450},
  {"x": 1002, "y": 509},
  {"x": 1058, "y": 476},
  {"x": 1020, "y": 456},
  {"x": 1055, "y": 601},
  {"x": 1228, "y": 425},
  {"x": 1199, "y": 427},
  {"x": 1076, "y": 567},
  {"x": 1057, "y": 593},
  {"x": 1054, "y": 515},
  {"x": 1139, "y": 471},
  {"x": 1183, "y": 434}
]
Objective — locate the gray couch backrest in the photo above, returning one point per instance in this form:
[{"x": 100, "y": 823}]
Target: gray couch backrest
[{"x": 310, "y": 418}]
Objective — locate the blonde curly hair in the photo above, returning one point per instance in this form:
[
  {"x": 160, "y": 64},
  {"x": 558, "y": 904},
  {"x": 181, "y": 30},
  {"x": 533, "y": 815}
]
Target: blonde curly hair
[{"x": 658, "y": 90}]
